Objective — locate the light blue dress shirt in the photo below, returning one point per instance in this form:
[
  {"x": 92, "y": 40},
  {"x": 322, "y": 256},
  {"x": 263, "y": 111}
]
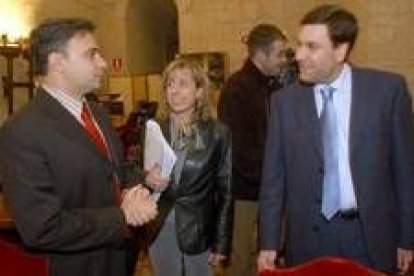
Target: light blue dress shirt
[{"x": 342, "y": 98}]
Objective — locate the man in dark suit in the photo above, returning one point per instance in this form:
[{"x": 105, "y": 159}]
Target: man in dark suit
[
  {"x": 338, "y": 164},
  {"x": 61, "y": 161}
]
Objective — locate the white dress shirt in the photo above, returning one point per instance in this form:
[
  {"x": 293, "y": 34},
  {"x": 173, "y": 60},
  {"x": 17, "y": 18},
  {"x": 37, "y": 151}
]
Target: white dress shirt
[{"x": 342, "y": 98}]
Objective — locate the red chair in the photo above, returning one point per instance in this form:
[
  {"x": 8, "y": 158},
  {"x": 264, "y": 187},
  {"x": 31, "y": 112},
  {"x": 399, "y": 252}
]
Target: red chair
[
  {"x": 15, "y": 261},
  {"x": 324, "y": 266}
]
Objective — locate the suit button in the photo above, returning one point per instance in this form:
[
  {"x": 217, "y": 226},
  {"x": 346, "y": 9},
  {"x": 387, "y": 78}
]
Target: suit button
[
  {"x": 321, "y": 171},
  {"x": 315, "y": 228},
  {"x": 318, "y": 201}
]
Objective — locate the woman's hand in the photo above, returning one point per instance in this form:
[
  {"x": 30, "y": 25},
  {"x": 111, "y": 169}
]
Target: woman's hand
[{"x": 154, "y": 179}]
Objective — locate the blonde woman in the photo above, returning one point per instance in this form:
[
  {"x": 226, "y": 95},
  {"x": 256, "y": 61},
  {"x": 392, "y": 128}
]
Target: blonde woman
[{"x": 193, "y": 230}]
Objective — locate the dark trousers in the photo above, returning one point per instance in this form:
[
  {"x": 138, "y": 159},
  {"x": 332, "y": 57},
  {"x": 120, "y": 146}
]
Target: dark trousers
[
  {"x": 342, "y": 237},
  {"x": 245, "y": 188}
]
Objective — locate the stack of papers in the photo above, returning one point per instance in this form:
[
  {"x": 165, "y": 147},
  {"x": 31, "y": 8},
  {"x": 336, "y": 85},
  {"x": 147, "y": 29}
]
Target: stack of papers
[{"x": 157, "y": 151}]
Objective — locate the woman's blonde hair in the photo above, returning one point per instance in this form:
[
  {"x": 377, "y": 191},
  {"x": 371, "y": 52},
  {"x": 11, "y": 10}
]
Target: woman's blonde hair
[{"x": 202, "y": 106}]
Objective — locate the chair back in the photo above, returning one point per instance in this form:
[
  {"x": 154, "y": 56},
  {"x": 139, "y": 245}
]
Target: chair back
[
  {"x": 324, "y": 266},
  {"x": 15, "y": 261}
]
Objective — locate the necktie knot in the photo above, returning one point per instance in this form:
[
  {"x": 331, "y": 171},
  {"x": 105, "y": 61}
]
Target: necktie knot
[
  {"x": 93, "y": 130},
  {"x": 327, "y": 93}
]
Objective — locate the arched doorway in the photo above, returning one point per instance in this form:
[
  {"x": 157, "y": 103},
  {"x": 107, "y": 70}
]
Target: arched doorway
[{"x": 152, "y": 35}]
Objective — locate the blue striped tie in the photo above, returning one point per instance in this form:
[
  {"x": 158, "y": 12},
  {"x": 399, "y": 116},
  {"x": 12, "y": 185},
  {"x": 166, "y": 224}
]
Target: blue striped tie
[{"x": 331, "y": 190}]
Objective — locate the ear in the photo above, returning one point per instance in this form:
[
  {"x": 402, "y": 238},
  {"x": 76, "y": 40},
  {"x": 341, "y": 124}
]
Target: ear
[
  {"x": 55, "y": 62},
  {"x": 341, "y": 51},
  {"x": 260, "y": 56}
]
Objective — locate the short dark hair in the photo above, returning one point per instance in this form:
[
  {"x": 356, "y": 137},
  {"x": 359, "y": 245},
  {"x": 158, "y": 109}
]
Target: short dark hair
[
  {"x": 52, "y": 36},
  {"x": 342, "y": 25},
  {"x": 262, "y": 36}
]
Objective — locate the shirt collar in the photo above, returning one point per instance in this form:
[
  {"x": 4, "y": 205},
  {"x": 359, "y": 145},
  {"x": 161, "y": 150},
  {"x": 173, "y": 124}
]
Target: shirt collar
[
  {"x": 339, "y": 81},
  {"x": 71, "y": 104}
]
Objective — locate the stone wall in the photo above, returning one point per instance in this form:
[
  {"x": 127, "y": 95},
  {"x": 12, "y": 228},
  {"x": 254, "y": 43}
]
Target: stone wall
[
  {"x": 31, "y": 12},
  {"x": 386, "y": 40}
]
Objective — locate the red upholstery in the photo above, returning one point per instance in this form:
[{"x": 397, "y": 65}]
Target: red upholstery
[
  {"x": 324, "y": 266},
  {"x": 14, "y": 261}
]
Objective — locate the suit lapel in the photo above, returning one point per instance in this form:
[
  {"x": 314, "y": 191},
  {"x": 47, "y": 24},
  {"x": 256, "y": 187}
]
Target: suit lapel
[
  {"x": 359, "y": 105},
  {"x": 309, "y": 117},
  {"x": 64, "y": 122}
]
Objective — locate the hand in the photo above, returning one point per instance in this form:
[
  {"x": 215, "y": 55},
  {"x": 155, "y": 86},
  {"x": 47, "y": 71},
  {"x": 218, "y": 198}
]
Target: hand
[
  {"x": 155, "y": 180},
  {"x": 214, "y": 259},
  {"x": 266, "y": 260},
  {"x": 138, "y": 207},
  {"x": 404, "y": 259}
]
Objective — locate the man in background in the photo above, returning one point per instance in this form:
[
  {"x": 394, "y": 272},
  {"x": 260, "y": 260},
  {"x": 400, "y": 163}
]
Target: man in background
[
  {"x": 244, "y": 107},
  {"x": 61, "y": 164}
]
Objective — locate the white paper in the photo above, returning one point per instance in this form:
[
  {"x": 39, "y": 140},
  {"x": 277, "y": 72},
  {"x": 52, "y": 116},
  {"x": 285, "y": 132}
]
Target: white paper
[{"x": 157, "y": 151}]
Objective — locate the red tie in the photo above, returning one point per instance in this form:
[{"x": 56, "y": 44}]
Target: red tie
[
  {"x": 98, "y": 139},
  {"x": 92, "y": 130}
]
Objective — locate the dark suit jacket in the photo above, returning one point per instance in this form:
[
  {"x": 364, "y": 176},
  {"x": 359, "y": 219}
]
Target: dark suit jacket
[
  {"x": 60, "y": 190},
  {"x": 381, "y": 159},
  {"x": 202, "y": 197}
]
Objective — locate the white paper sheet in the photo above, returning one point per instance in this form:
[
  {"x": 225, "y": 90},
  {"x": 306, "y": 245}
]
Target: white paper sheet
[{"x": 157, "y": 151}]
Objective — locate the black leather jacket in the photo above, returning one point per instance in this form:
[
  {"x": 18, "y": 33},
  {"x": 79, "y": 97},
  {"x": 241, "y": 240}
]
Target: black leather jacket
[{"x": 202, "y": 199}]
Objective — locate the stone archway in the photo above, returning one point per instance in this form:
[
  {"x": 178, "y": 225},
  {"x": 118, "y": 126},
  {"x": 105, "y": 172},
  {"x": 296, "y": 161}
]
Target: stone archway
[{"x": 151, "y": 35}]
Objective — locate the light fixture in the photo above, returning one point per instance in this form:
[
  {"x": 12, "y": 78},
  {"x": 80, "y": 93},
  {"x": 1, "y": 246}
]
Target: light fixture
[
  {"x": 4, "y": 39},
  {"x": 7, "y": 42}
]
